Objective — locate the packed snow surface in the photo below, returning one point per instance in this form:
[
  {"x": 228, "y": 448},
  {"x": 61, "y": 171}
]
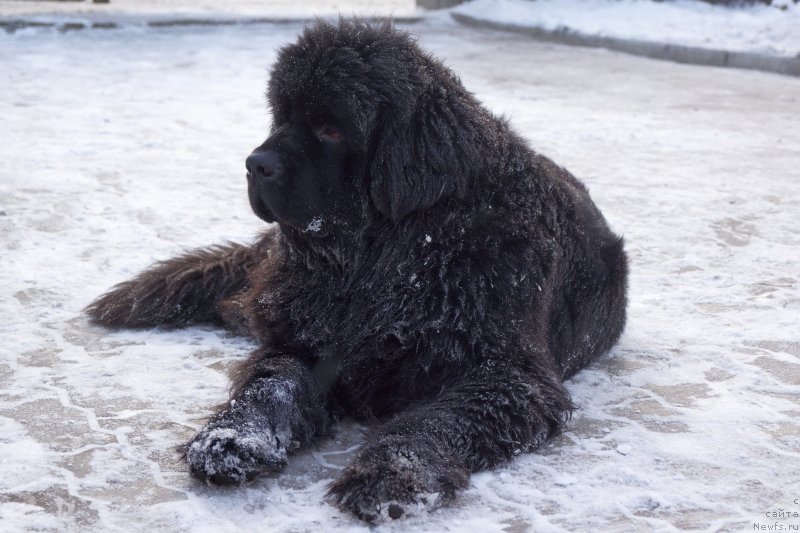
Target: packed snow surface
[
  {"x": 122, "y": 147},
  {"x": 754, "y": 28}
]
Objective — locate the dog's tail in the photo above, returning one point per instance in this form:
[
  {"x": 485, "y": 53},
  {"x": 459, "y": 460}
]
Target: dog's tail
[{"x": 179, "y": 291}]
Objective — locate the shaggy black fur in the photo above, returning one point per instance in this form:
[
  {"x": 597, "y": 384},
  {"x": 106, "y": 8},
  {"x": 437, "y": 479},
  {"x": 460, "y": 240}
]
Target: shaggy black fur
[{"x": 429, "y": 273}]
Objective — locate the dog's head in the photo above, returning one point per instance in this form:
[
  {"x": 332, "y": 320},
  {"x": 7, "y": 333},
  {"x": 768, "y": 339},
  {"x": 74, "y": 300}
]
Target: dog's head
[{"x": 365, "y": 124}]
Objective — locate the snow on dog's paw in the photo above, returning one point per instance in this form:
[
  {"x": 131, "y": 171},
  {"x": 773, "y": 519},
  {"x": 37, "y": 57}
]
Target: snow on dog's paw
[
  {"x": 232, "y": 456},
  {"x": 421, "y": 502},
  {"x": 387, "y": 482}
]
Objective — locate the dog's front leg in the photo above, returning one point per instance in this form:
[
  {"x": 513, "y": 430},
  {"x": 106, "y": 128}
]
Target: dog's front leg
[
  {"x": 278, "y": 408},
  {"x": 418, "y": 459}
]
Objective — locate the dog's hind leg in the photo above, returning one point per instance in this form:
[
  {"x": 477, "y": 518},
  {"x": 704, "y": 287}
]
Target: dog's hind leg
[{"x": 185, "y": 289}]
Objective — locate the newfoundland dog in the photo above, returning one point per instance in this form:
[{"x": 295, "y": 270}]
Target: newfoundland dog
[{"x": 427, "y": 273}]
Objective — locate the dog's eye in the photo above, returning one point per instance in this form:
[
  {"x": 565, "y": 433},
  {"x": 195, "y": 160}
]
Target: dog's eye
[{"x": 326, "y": 132}]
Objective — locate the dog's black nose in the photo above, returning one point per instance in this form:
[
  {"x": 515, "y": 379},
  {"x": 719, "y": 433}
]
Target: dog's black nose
[{"x": 264, "y": 165}]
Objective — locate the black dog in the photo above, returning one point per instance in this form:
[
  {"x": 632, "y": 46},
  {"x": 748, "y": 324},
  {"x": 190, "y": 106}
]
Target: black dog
[{"x": 428, "y": 272}]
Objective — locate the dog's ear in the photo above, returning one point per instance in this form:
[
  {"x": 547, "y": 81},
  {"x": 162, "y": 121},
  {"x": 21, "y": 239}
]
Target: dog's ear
[{"x": 423, "y": 154}]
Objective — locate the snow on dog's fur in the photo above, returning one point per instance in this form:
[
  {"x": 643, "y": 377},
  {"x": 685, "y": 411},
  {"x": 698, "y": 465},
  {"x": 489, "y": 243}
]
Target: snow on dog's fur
[{"x": 429, "y": 273}]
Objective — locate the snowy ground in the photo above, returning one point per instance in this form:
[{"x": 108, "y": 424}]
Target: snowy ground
[
  {"x": 122, "y": 147},
  {"x": 756, "y": 28}
]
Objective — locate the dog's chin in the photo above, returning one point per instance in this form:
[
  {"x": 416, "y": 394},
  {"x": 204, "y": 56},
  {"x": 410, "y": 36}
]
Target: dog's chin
[
  {"x": 258, "y": 205},
  {"x": 314, "y": 228},
  {"x": 262, "y": 211}
]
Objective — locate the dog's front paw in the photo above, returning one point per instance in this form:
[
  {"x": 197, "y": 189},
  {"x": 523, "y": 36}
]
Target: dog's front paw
[
  {"x": 394, "y": 479},
  {"x": 224, "y": 454}
]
